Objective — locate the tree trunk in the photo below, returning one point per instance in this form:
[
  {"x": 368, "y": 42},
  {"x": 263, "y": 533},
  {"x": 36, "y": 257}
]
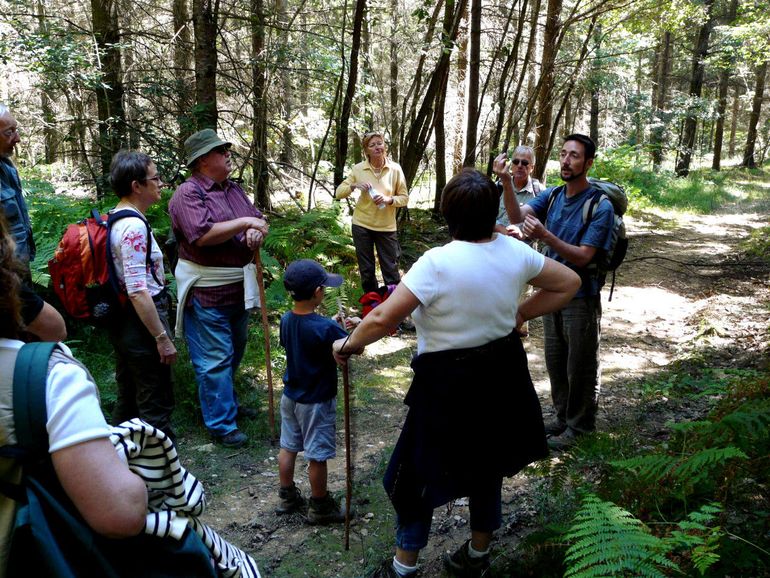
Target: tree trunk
[
  {"x": 287, "y": 88},
  {"x": 734, "y": 118},
  {"x": 259, "y": 122},
  {"x": 205, "y": 15},
  {"x": 696, "y": 88},
  {"x": 341, "y": 141},
  {"x": 183, "y": 78},
  {"x": 440, "y": 139},
  {"x": 660, "y": 117},
  {"x": 109, "y": 94},
  {"x": 420, "y": 130},
  {"x": 532, "y": 79},
  {"x": 595, "y": 83},
  {"x": 756, "y": 110},
  {"x": 545, "y": 94},
  {"x": 462, "y": 70},
  {"x": 471, "y": 130},
  {"x": 395, "y": 136},
  {"x": 49, "y": 118},
  {"x": 724, "y": 81}
]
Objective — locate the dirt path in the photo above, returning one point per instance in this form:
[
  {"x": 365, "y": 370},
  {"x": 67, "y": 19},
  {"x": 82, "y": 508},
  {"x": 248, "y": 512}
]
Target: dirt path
[{"x": 680, "y": 293}]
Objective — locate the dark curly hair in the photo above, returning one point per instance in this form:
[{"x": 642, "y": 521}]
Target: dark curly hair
[{"x": 11, "y": 271}]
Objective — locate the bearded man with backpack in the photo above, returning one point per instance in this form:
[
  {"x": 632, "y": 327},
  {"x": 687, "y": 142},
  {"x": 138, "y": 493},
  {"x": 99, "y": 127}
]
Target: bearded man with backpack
[{"x": 572, "y": 334}]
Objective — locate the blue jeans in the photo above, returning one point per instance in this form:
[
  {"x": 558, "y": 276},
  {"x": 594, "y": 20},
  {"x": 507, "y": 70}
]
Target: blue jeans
[
  {"x": 216, "y": 339},
  {"x": 572, "y": 337},
  {"x": 486, "y": 516}
]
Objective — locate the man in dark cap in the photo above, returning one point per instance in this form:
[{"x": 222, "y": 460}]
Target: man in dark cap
[{"x": 218, "y": 230}]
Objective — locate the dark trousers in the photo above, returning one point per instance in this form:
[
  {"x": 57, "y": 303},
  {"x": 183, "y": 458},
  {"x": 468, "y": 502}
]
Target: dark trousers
[
  {"x": 388, "y": 252},
  {"x": 144, "y": 383},
  {"x": 572, "y": 337}
]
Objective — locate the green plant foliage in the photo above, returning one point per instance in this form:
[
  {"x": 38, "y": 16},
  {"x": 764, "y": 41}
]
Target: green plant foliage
[
  {"x": 758, "y": 244},
  {"x": 608, "y": 541}
]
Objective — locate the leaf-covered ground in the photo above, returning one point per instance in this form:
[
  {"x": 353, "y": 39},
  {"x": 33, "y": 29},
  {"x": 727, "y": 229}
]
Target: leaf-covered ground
[{"x": 684, "y": 293}]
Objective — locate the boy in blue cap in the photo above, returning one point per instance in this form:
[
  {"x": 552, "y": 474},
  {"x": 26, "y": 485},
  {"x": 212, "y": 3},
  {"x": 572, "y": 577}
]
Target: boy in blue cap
[{"x": 309, "y": 401}]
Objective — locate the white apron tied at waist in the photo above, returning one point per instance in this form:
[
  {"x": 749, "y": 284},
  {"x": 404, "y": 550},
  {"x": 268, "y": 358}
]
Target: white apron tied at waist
[{"x": 189, "y": 275}]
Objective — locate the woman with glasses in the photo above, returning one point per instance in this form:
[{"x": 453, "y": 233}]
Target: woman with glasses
[
  {"x": 141, "y": 335},
  {"x": 382, "y": 189}
]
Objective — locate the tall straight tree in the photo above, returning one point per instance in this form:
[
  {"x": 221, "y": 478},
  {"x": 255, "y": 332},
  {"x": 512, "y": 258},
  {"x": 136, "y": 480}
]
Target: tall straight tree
[
  {"x": 109, "y": 93},
  {"x": 205, "y": 16},
  {"x": 756, "y": 110},
  {"x": 545, "y": 93},
  {"x": 341, "y": 140},
  {"x": 183, "y": 79},
  {"x": 724, "y": 83},
  {"x": 259, "y": 99},
  {"x": 661, "y": 74},
  {"x": 696, "y": 88},
  {"x": 472, "y": 114}
]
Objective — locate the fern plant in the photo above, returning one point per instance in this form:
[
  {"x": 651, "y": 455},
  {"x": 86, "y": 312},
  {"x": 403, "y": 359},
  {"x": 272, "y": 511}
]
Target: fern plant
[{"x": 608, "y": 541}]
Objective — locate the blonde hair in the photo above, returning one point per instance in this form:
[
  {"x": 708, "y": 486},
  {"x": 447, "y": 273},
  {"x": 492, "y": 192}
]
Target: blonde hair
[{"x": 369, "y": 136}]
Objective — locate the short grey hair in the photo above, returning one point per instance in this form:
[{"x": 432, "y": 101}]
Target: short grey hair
[{"x": 525, "y": 150}]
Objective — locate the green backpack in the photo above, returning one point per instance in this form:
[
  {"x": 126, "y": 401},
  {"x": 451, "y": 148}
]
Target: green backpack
[{"x": 50, "y": 537}]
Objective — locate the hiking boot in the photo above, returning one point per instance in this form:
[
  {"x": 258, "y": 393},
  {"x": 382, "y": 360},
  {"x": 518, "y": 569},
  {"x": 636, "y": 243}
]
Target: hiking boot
[
  {"x": 234, "y": 439},
  {"x": 326, "y": 510},
  {"x": 461, "y": 564},
  {"x": 555, "y": 427},
  {"x": 564, "y": 441},
  {"x": 291, "y": 501}
]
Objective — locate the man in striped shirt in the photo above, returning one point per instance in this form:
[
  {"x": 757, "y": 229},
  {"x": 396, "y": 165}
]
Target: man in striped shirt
[{"x": 218, "y": 229}]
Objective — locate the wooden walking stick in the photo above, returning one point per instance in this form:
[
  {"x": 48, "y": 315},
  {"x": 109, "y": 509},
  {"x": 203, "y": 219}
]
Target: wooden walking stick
[
  {"x": 266, "y": 331},
  {"x": 348, "y": 466}
]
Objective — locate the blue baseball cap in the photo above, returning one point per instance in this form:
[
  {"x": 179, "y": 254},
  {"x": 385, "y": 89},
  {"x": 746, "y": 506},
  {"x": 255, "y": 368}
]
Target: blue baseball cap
[{"x": 303, "y": 276}]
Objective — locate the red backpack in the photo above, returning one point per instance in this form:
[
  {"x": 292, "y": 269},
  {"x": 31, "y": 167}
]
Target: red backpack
[{"x": 82, "y": 272}]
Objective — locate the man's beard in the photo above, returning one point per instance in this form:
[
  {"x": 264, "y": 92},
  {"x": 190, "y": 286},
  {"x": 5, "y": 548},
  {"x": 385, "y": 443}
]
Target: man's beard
[{"x": 572, "y": 176}]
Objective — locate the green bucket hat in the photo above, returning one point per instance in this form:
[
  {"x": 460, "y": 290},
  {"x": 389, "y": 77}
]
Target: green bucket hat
[{"x": 202, "y": 142}]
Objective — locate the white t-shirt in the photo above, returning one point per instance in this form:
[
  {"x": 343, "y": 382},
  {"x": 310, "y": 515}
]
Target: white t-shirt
[
  {"x": 469, "y": 292},
  {"x": 128, "y": 245},
  {"x": 74, "y": 414}
]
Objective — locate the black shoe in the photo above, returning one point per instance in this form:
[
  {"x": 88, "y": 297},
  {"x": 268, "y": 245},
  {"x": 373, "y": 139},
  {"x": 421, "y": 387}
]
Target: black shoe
[
  {"x": 247, "y": 412},
  {"x": 564, "y": 441},
  {"x": 326, "y": 510},
  {"x": 234, "y": 439},
  {"x": 555, "y": 427},
  {"x": 460, "y": 563},
  {"x": 291, "y": 501}
]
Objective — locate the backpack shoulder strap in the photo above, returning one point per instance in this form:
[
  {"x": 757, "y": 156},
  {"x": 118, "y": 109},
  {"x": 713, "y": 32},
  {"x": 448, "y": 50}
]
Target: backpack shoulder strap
[{"x": 30, "y": 376}]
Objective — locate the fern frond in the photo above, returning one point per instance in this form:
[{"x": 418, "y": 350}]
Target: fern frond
[
  {"x": 609, "y": 541},
  {"x": 702, "y": 464}
]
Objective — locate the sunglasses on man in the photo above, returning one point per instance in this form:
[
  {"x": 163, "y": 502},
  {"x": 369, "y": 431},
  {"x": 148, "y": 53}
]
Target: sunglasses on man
[{"x": 524, "y": 162}]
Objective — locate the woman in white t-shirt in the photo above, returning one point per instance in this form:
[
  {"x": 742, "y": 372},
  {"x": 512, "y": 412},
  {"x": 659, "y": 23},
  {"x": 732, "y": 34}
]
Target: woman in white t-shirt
[
  {"x": 474, "y": 417},
  {"x": 144, "y": 349},
  {"x": 83, "y": 457}
]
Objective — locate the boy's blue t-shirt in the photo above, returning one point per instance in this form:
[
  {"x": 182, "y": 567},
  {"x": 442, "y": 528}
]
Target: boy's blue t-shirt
[
  {"x": 311, "y": 372},
  {"x": 565, "y": 220}
]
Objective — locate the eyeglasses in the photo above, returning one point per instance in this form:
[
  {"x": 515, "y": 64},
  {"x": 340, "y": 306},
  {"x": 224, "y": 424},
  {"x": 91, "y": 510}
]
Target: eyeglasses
[
  {"x": 524, "y": 162},
  {"x": 157, "y": 178}
]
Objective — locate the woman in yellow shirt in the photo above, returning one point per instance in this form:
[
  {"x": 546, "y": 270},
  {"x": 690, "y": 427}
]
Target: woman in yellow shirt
[{"x": 382, "y": 189}]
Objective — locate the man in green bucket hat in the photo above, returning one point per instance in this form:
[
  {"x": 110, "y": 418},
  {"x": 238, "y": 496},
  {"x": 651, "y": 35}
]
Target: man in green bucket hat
[{"x": 218, "y": 230}]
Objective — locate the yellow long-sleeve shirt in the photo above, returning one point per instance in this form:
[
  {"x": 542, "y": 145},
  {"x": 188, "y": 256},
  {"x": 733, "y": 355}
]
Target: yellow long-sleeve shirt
[{"x": 391, "y": 183}]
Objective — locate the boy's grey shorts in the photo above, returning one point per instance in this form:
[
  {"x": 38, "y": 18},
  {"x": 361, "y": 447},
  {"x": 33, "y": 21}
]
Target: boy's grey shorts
[{"x": 309, "y": 427}]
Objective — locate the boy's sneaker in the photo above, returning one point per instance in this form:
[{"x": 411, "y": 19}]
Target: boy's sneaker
[
  {"x": 460, "y": 563},
  {"x": 291, "y": 501},
  {"x": 326, "y": 510}
]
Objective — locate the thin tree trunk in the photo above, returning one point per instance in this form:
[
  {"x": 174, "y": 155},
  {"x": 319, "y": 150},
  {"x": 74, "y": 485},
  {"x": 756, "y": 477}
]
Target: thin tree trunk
[
  {"x": 341, "y": 141},
  {"x": 734, "y": 118},
  {"x": 696, "y": 88},
  {"x": 756, "y": 110},
  {"x": 660, "y": 117},
  {"x": 183, "y": 77},
  {"x": 724, "y": 80},
  {"x": 395, "y": 136},
  {"x": 473, "y": 86},
  {"x": 545, "y": 94},
  {"x": 259, "y": 123},
  {"x": 109, "y": 94},
  {"x": 461, "y": 67},
  {"x": 205, "y": 15},
  {"x": 532, "y": 78},
  {"x": 287, "y": 88},
  {"x": 49, "y": 118},
  {"x": 595, "y": 83}
]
